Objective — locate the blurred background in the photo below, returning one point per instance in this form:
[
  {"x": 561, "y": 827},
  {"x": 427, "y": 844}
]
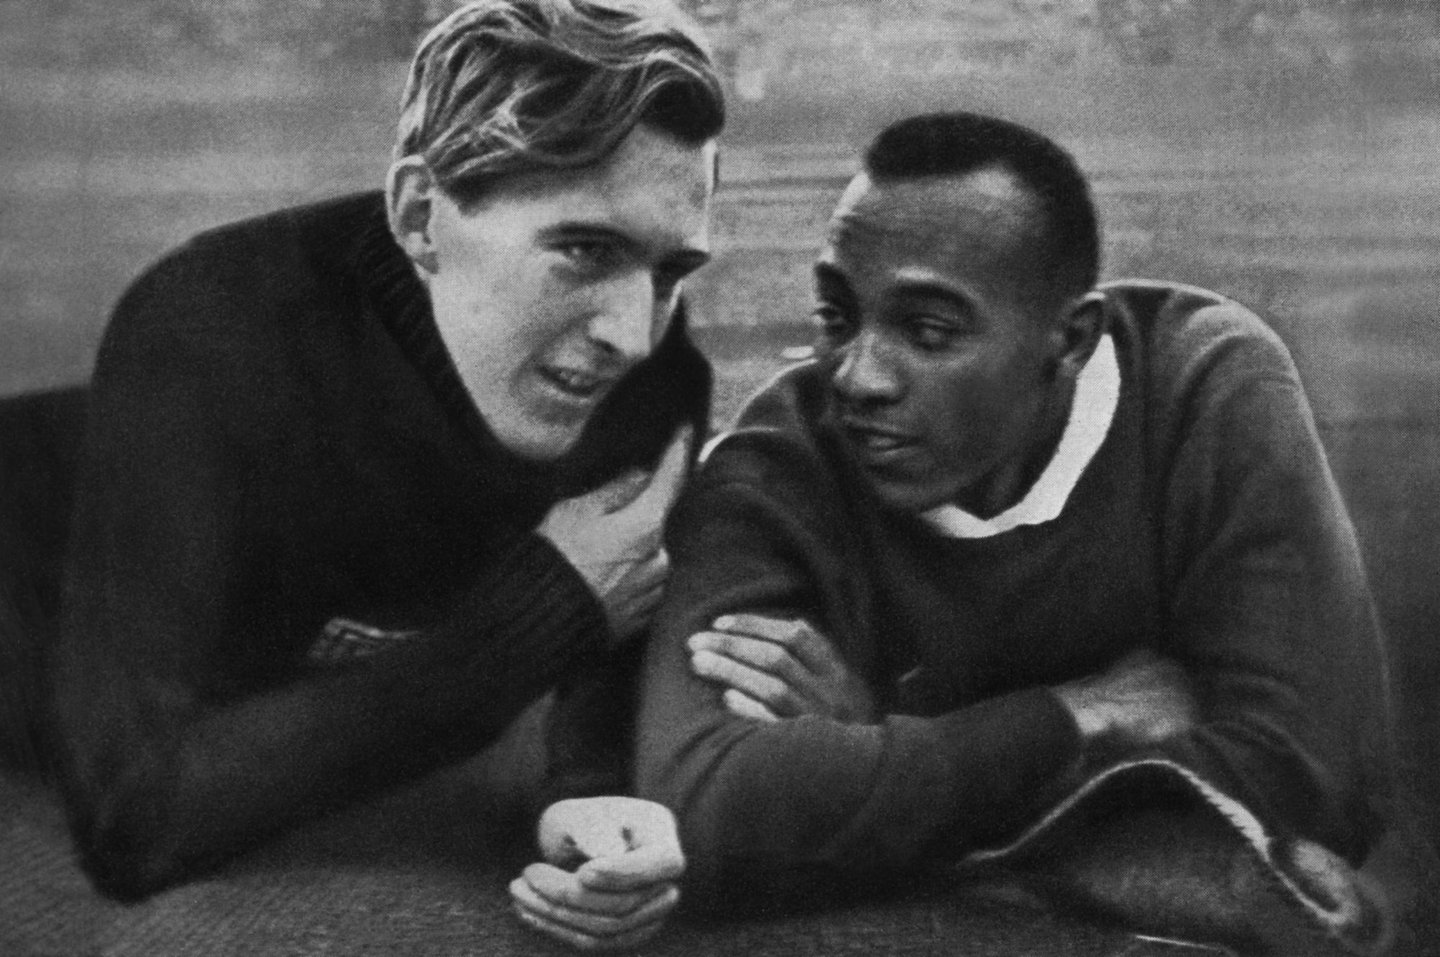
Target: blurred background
[{"x": 1281, "y": 151}]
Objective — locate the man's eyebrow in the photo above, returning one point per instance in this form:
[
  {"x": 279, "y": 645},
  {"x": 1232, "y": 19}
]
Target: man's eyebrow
[
  {"x": 930, "y": 289},
  {"x": 556, "y": 232}
]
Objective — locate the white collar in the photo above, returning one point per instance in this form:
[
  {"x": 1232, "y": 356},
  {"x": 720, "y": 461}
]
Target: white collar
[{"x": 1097, "y": 392}]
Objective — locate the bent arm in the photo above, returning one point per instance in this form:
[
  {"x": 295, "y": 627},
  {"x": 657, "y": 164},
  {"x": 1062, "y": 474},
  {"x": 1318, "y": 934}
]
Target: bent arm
[
  {"x": 168, "y": 771},
  {"x": 773, "y": 806},
  {"x": 190, "y": 722},
  {"x": 1271, "y": 614}
]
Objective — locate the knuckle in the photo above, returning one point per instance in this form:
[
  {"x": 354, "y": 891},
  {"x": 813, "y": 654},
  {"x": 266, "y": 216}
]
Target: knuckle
[
  {"x": 720, "y": 643},
  {"x": 793, "y": 631},
  {"x": 770, "y": 656},
  {"x": 772, "y": 691}
]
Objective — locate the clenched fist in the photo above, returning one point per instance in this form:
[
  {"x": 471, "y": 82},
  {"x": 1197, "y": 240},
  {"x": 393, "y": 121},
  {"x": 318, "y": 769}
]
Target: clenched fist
[{"x": 609, "y": 878}]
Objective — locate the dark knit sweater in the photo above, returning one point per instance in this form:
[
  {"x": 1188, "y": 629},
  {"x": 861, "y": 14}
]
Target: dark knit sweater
[
  {"x": 1207, "y": 527},
  {"x": 279, "y": 445}
]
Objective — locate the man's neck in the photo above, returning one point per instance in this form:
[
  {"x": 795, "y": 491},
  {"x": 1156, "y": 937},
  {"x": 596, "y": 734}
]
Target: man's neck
[
  {"x": 1035, "y": 489},
  {"x": 1010, "y": 483}
]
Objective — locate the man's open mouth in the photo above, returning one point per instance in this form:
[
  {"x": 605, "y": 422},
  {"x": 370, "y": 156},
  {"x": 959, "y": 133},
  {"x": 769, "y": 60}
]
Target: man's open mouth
[
  {"x": 875, "y": 439},
  {"x": 577, "y": 383}
]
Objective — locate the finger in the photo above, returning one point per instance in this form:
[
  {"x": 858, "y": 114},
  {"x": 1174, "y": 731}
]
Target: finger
[
  {"x": 762, "y": 686},
  {"x": 669, "y": 475},
  {"x": 584, "y": 941},
  {"x": 632, "y": 603},
  {"x": 745, "y": 706},
  {"x": 619, "y": 492},
  {"x": 808, "y": 646},
  {"x": 600, "y": 837},
  {"x": 641, "y": 582},
  {"x": 658, "y": 904},
  {"x": 570, "y": 832},
  {"x": 564, "y": 889},
  {"x": 650, "y": 572},
  {"x": 647, "y": 865},
  {"x": 595, "y": 922},
  {"x": 760, "y": 654},
  {"x": 591, "y": 925},
  {"x": 759, "y": 626},
  {"x": 631, "y": 619}
]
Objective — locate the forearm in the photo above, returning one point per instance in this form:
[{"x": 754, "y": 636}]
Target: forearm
[
  {"x": 1253, "y": 734},
  {"x": 166, "y": 778},
  {"x": 812, "y": 796},
  {"x": 1294, "y": 770}
]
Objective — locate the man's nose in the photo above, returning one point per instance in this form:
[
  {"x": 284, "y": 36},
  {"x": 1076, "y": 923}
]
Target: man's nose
[
  {"x": 623, "y": 322},
  {"x": 867, "y": 370}
]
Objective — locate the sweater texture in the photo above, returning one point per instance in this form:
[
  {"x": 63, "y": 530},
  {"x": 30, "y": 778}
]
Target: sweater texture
[
  {"x": 1207, "y": 527},
  {"x": 301, "y": 567}
]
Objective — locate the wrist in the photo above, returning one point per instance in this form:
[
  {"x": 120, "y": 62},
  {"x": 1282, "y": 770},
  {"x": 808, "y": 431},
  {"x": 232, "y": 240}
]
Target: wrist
[{"x": 1091, "y": 719}]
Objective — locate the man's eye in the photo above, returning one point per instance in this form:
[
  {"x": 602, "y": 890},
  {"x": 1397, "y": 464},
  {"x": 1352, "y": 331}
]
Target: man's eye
[
  {"x": 831, "y": 323},
  {"x": 930, "y": 332},
  {"x": 588, "y": 254}
]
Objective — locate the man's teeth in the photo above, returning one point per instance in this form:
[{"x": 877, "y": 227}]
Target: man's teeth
[
  {"x": 879, "y": 443},
  {"x": 575, "y": 381}
]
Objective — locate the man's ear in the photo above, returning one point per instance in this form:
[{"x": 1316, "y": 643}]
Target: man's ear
[
  {"x": 410, "y": 196},
  {"x": 1080, "y": 326}
]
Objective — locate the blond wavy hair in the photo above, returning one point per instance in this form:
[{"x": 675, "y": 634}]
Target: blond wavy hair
[{"x": 508, "y": 86}]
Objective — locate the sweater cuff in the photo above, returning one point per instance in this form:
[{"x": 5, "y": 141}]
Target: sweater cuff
[
  {"x": 545, "y": 617},
  {"x": 1018, "y": 753}
]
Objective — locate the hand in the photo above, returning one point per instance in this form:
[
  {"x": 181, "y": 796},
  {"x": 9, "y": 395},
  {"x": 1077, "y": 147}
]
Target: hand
[
  {"x": 773, "y": 668},
  {"x": 1142, "y": 699},
  {"x": 629, "y": 860},
  {"x": 612, "y": 536}
]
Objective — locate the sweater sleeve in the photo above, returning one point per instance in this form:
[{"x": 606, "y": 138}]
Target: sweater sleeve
[
  {"x": 1269, "y": 609},
  {"x": 589, "y": 729},
  {"x": 776, "y": 808},
  {"x": 189, "y": 728}
]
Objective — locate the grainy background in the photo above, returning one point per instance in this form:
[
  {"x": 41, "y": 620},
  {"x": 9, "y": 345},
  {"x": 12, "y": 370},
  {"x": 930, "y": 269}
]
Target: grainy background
[{"x": 1281, "y": 151}]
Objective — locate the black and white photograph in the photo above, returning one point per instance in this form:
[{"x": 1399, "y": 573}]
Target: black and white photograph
[{"x": 704, "y": 477}]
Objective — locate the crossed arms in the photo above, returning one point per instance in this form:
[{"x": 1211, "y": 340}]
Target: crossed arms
[{"x": 1278, "y": 695}]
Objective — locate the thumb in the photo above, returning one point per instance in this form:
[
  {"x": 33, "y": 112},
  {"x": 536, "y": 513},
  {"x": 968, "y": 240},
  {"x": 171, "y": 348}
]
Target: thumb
[
  {"x": 669, "y": 476},
  {"x": 621, "y": 491},
  {"x": 635, "y": 870}
]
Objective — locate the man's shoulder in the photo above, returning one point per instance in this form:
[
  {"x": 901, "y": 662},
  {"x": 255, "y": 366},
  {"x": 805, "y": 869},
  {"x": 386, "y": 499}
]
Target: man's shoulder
[
  {"x": 246, "y": 269},
  {"x": 261, "y": 243},
  {"x": 778, "y": 436},
  {"x": 1186, "y": 335},
  {"x": 1173, "y": 313},
  {"x": 222, "y": 312}
]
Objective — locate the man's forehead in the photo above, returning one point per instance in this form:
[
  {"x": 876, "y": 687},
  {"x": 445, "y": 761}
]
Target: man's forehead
[
  {"x": 653, "y": 187},
  {"x": 924, "y": 210},
  {"x": 641, "y": 162}
]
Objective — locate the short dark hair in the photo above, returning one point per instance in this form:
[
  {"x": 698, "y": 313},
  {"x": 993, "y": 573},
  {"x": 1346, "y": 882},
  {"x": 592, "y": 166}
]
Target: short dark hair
[
  {"x": 511, "y": 86},
  {"x": 958, "y": 143}
]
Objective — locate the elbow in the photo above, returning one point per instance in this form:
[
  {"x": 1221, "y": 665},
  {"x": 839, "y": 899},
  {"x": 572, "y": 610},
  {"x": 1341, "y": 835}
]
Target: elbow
[
  {"x": 700, "y": 801},
  {"x": 123, "y": 833},
  {"x": 126, "y": 867},
  {"x": 738, "y": 851},
  {"x": 123, "y": 846},
  {"x": 120, "y": 789}
]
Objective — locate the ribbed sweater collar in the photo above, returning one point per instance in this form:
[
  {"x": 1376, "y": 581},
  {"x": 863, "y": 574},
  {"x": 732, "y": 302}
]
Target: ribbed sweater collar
[{"x": 395, "y": 294}]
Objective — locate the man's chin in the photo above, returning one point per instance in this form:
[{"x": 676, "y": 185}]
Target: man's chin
[
  {"x": 542, "y": 444},
  {"x": 898, "y": 495}
]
